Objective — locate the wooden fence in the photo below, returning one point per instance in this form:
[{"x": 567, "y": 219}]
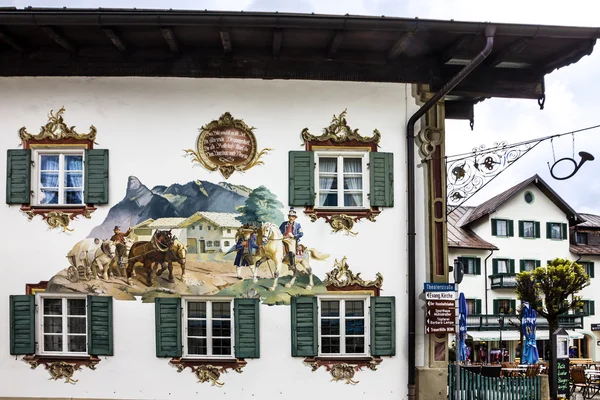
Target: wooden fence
[{"x": 479, "y": 387}]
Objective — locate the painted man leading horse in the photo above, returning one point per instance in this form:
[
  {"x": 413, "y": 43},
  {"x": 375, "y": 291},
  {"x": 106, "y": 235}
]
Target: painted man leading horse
[{"x": 292, "y": 232}]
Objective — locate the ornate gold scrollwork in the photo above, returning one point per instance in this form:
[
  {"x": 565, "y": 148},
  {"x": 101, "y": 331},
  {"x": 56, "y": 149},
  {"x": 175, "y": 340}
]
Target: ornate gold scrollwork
[
  {"x": 227, "y": 145},
  {"x": 59, "y": 219},
  {"x": 56, "y": 129},
  {"x": 62, "y": 369},
  {"x": 208, "y": 372},
  {"x": 343, "y": 371},
  {"x": 340, "y": 132},
  {"x": 342, "y": 222},
  {"x": 432, "y": 134},
  {"x": 341, "y": 276}
]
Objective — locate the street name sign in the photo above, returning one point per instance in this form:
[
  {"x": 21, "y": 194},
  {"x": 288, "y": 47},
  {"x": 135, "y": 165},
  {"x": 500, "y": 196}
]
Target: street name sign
[
  {"x": 439, "y": 287},
  {"x": 440, "y": 296}
]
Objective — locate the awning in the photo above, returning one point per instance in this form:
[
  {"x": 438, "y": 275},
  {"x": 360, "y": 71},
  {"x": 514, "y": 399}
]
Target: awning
[
  {"x": 545, "y": 335},
  {"x": 491, "y": 336}
]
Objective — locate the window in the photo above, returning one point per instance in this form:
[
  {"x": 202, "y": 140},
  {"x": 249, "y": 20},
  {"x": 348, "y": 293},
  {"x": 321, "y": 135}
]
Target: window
[
  {"x": 504, "y": 307},
  {"x": 199, "y": 227},
  {"x": 529, "y": 265},
  {"x": 556, "y": 230},
  {"x": 502, "y": 227},
  {"x": 342, "y": 180},
  {"x": 474, "y": 306},
  {"x": 502, "y": 267},
  {"x": 209, "y": 243},
  {"x": 226, "y": 243},
  {"x": 471, "y": 265},
  {"x": 193, "y": 227},
  {"x": 588, "y": 267},
  {"x": 528, "y": 197},
  {"x": 588, "y": 308},
  {"x": 58, "y": 177},
  {"x": 529, "y": 229},
  {"x": 208, "y": 328},
  {"x": 63, "y": 326},
  {"x": 343, "y": 326},
  {"x": 228, "y": 230},
  {"x": 208, "y": 227},
  {"x": 581, "y": 237}
]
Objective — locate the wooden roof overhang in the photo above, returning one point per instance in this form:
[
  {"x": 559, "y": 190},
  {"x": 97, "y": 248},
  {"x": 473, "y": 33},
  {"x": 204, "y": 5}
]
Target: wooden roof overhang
[{"x": 201, "y": 44}]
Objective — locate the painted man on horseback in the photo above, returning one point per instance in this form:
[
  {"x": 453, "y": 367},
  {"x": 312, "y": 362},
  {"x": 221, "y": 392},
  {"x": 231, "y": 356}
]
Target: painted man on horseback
[
  {"x": 245, "y": 247},
  {"x": 119, "y": 239},
  {"x": 292, "y": 232}
]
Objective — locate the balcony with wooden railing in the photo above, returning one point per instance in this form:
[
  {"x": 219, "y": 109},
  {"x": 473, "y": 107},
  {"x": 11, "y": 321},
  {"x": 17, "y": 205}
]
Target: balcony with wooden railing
[
  {"x": 491, "y": 322},
  {"x": 503, "y": 281}
]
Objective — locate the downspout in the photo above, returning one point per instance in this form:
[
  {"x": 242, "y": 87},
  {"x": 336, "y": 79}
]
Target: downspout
[
  {"x": 410, "y": 154},
  {"x": 486, "y": 280}
]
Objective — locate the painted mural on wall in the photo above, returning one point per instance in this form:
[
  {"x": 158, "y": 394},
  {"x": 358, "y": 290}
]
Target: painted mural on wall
[{"x": 197, "y": 238}]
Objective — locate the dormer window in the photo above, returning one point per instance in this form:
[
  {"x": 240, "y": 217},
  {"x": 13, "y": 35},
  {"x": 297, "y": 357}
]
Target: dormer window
[{"x": 581, "y": 237}]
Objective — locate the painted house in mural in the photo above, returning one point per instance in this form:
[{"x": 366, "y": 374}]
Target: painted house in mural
[
  {"x": 156, "y": 109},
  {"x": 517, "y": 230}
]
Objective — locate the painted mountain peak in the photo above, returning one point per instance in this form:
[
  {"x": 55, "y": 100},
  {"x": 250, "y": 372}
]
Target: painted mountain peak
[{"x": 175, "y": 200}]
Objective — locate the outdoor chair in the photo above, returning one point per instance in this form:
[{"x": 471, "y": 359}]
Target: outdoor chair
[
  {"x": 579, "y": 380},
  {"x": 532, "y": 370}
]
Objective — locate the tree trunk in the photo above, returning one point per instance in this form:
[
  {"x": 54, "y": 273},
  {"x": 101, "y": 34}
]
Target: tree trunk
[{"x": 553, "y": 326}]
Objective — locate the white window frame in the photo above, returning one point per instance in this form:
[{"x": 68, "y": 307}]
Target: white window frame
[
  {"x": 367, "y": 318},
  {"x": 532, "y": 230},
  {"x": 497, "y": 222},
  {"x": 36, "y": 175},
  {"x": 578, "y": 235},
  {"x": 473, "y": 261},
  {"x": 39, "y": 322},
  {"x": 506, "y": 266},
  {"x": 560, "y": 232},
  {"x": 363, "y": 155},
  {"x": 527, "y": 261},
  {"x": 209, "y": 337}
]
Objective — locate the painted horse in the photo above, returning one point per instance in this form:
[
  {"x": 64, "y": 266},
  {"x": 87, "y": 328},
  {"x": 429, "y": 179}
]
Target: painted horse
[
  {"x": 92, "y": 255},
  {"x": 272, "y": 249},
  {"x": 177, "y": 253},
  {"x": 150, "y": 254}
]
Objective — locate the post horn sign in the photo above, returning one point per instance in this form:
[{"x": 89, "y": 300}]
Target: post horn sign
[{"x": 227, "y": 145}]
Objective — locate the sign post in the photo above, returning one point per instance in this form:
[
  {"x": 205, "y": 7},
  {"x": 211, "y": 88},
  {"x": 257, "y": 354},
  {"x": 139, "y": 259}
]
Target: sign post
[{"x": 559, "y": 386}]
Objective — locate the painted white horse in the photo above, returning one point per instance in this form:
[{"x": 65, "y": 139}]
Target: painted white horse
[
  {"x": 93, "y": 255},
  {"x": 271, "y": 239}
]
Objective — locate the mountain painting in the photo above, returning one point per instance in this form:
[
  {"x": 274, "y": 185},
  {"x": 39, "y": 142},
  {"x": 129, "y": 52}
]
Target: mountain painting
[{"x": 187, "y": 239}]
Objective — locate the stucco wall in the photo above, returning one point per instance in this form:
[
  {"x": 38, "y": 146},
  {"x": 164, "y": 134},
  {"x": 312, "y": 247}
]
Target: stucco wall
[{"x": 146, "y": 124}]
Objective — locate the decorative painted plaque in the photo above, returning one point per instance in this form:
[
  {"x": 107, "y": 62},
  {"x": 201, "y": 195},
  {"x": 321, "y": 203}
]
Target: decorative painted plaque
[{"x": 227, "y": 145}]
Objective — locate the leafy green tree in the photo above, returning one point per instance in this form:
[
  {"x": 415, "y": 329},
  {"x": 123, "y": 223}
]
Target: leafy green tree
[
  {"x": 552, "y": 290},
  {"x": 261, "y": 206}
]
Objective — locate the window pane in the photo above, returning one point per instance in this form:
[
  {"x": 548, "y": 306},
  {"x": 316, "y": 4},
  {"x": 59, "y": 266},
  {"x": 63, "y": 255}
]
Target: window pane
[
  {"x": 353, "y": 165},
  {"x": 528, "y": 229},
  {"x": 221, "y": 328},
  {"x": 50, "y": 163},
  {"x": 330, "y": 308},
  {"x": 555, "y": 231},
  {"x": 471, "y": 307},
  {"x": 330, "y": 326},
  {"x": 49, "y": 179},
  {"x": 501, "y": 228},
  {"x": 52, "y": 306},
  {"x": 52, "y": 343},
  {"x": 52, "y": 324},
  {"x": 196, "y": 327},
  {"x": 355, "y": 326},
  {"x": 76, "y": 306},
  {"x": 197, "y": 346},
  {"x": 354, "y": 183},
  {"x": 76, "y": 325},
  {"x": 196, "y": 310},
  {"x": 73, "y": 196},
  {"x": 74, "y": 163},
  {"x": 221, "y": 310},
  {"x": 355, "y": 345},
  {"x": 327, "y": 165},
  {"x": 328, "y": 199},
  {"x": 328, "y": 183},
  {"x": 469, "y": 265},
  {"x": 73, "y": 179},
  {"x": 49, "y": 196},
  {"x": 330, "y": 345},
  {"x": 353, "y": 199},
  {"x": 221, "y": 347},
  {"x": 502, "y": 269},
  {"x": 355, "y": 308},
  {"x": 529, "y": 265},
  {"x": 76, "y": 343}
]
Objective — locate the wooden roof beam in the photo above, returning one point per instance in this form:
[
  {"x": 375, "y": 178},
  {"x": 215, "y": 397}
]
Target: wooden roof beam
[
  {"x": 60, "y": 38},
  {"x": 171, "y": 40},
  {"x": 448, "y": 53},
  {"x": 277, "y": 40},
  {"x": 115, "y": 38},
  {"x": 515, "y": 47},
  {"x": 11, "y": 41},
  {"x": 400, "y": 46},
  {"x": 335, "y": 44},
  {"x": 226, "y": 41}
]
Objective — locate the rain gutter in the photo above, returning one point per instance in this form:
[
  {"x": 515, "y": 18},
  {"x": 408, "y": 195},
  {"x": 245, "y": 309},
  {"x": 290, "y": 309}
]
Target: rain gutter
[{"x": 489, "y": 32}]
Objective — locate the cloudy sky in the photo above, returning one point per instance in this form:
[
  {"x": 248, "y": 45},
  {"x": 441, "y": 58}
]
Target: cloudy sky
[{"x": 570, "y": 92}]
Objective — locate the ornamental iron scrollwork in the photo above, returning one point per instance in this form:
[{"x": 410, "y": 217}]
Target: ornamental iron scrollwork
[
  {"x": 343, "y": 371},
  {"x": 209, "y": 371},
  {"x": 468, "y": 174},
  {"x": 62, "y": 369},
  {"x": 57, "y": 129}
]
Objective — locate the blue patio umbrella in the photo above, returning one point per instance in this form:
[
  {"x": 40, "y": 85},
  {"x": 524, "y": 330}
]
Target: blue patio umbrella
[
  {"x": 529, "y": 354},
  {"x": 463, "y": 313}
]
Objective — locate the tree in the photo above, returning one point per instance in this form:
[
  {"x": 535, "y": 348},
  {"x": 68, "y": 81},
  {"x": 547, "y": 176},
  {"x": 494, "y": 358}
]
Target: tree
[
  {"x": 261, "y": 206},
  {"x": 552, "y": 290}
]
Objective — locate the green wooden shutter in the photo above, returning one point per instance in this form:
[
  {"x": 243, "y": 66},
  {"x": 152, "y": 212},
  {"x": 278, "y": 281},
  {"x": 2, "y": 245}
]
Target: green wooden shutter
[
  {"x": 591, "y": 269},
  {"x": 381, "y": 166},
  {"x": 304, "y": 326},
  {"x": 383, "y": 326},
  {"x": 496, "y": 308},
  {"x": 511, "y": 268},
  {"x": 563, "y": 231},
  {"x": 95, "y": 189},
  {"x": 537, "y": 229},
  {"x": 247, "y": 328},
  {"x": 521, "y": 265},
  {"x": 548, "y": 230},
  {"x": 100, "y": 325},
  {"x": 521, "y": 228},
  {"x": 513, "y": 306},
  {"x": 511, "y": 231},
  {"x": 591, "y": 307},
  {"x": 494, "y": 266},
  {"x": 301, "y": 178},
  {"x": 478, "y": 307},
  {"x": 18, "y": 176},
  {"x": 22, "y": 324},
  {"x": 538, "y": 263},
  {"x": 168, "y": 326},
  {"x": 494, "y": 227},
  {"x": 478, "y": 266}
]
